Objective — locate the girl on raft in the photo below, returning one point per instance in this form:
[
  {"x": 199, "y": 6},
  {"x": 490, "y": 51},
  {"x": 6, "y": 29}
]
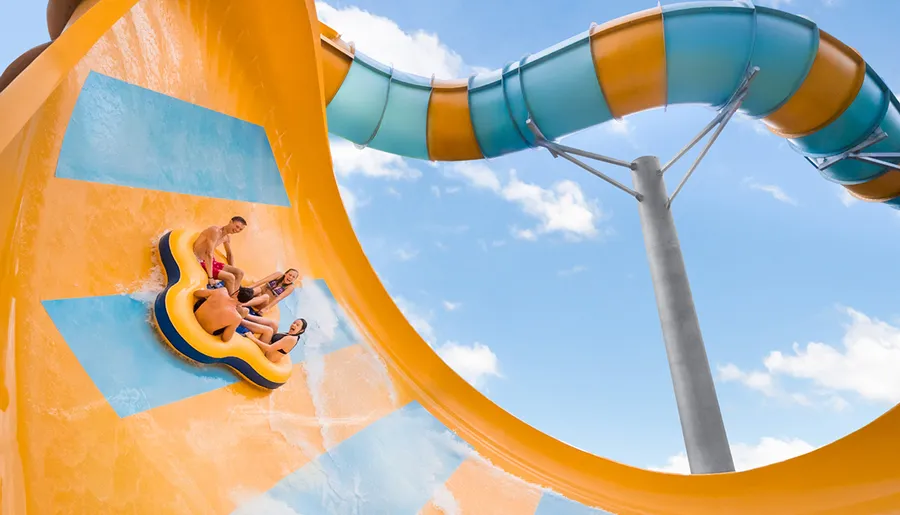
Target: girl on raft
[
  {"x": 271, "y": 290},
  {"x": 280, "y": 344}
]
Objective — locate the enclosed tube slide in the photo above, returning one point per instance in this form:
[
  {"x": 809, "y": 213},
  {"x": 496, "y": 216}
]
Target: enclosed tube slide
[
  {"x": 146, "y": 115},
  {"x": 812, "y": 89}
]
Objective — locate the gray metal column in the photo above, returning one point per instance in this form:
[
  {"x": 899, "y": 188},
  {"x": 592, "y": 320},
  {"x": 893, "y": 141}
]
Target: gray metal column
[{"x": 698, "y": 407}]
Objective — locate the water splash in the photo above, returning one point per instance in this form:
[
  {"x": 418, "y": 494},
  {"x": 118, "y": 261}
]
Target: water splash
[
  {"x": 443, "y": 500},
  {"x": 146, "y": 289}
]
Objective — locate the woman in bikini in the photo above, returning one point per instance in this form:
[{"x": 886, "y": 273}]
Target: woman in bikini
[
  {"x": 281, "y": 343},
  {"x": 271, "y": 290}
]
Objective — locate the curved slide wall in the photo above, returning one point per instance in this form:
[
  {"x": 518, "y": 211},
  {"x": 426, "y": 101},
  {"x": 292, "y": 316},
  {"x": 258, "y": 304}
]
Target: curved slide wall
[{"x": 153, "y": 115}]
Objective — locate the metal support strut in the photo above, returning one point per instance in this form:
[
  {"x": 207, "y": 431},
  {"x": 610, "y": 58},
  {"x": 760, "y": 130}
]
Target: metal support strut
[
  {"x": 557, "y": 150},
  {"x": 876, "y": 158},
  {"x": 718, "y": 123}
]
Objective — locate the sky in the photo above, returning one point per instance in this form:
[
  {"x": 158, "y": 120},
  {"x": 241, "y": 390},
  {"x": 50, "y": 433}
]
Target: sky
[{"x": 529, "y": 277}]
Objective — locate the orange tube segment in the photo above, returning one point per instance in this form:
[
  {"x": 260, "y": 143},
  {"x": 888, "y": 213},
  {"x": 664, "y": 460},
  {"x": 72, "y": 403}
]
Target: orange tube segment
[
  {"x": 834, "y": 80},
  {"x": 451, "y": 136},
  {"x": 884, "y": 187},
  {"x": 630, "y": 61},
  {"x": 336, "y": 60}
]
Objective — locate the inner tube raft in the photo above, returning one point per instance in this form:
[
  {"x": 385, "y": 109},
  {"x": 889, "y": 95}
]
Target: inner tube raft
[{"x": 174, "y": 315}]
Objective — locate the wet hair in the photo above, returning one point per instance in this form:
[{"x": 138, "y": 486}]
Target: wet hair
[
  {"x": 239, "y": 219},
  {"x": 245, "y": 294},
  {"x": 281, "y": 279},
  {"x": 302, "y": 329}
]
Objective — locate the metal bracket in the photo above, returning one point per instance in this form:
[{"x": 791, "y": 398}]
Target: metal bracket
[
  {"x": 557, "y": 150},
  {"x": 387, "y": 98},
  {"x": 877, "y": 158},
  {"x": 718, "y": 123}
]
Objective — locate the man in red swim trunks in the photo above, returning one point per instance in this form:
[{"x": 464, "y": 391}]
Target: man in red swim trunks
[{"x": 205, "y": 248}]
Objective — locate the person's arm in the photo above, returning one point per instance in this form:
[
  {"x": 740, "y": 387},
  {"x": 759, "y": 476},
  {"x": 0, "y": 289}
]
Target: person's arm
[
  {"x": 203, "y": 293},
  {"x": 230, "y": 330},
  {"x": 228, "y": 256},
  {"x": 263, "y": 346},
  {"x": 266, "y": 279},
  {"x": 287, "y": 291},
  {"x": 208, "y": 261},
  {"x": 284, "y": 343}
]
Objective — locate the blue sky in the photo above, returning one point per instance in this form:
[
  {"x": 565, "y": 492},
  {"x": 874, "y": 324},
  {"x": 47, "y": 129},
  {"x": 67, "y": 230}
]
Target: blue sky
[{"x": 534, "y": 284}]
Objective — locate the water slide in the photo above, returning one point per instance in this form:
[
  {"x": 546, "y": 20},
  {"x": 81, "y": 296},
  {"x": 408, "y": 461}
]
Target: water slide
[{"x": 149, "y": 116}]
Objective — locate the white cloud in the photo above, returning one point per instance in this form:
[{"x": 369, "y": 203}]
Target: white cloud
[
  {"x": 523, "y": 234},
  {"x": 563, "y": 208},
  {"x": 577, "y": 269},
  {"x": 757, "y": 126},
  {"x": 759, "y": 381},
  {"x": 393, "y": 192},
  {"x": 406, "y": 254},
  {"x": 436, "y": 191},
  {"x": 421, "y": 321},
  {"x": 474, "y": 363},
  {"x": 846, "y": 198},
  {"x": 619, "y": 127},
  {"x": 452, "y": 306},
  {"x": 476, "y": 173},
  {"x": 776, "y": 191},
  {"x": 866, "y": 365},
  {"x": 419, "y": 52},
  {"x": 351, "y": 203},
  {"x": 769, "y": 450},
  {"x": 450, "y": 190},
  {"x": 349, "y": 160},
  {"x": 486, "y": 246}
]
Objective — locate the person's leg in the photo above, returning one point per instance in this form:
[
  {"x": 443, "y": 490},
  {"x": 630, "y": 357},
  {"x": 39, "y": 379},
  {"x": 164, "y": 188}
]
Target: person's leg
[
  {"x": 264, "y": 331},
  {"x": 257, "y": 302},
  {"x": 263, "y": 321},
  {"x": 237, "y": 276},
  {"x": 228, "y": 280}
]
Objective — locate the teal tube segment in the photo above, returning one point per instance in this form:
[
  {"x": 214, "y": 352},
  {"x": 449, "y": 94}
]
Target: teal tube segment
[
  {"x": 493, "y": 104},
  {"x": 708, "y": 49},
  {"x": 563, "y": 92},
  {"x": 784, "y": 48},
  {"x": 404, "y": 126},
  {"x": 356, "y": 109}
]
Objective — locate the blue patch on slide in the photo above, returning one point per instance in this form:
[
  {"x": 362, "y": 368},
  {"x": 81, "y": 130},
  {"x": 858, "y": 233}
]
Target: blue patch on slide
[
  {"x": 127, "y": 135},
  {"x": 392, "y": 466},
  {"x": 113, "y": 340}
]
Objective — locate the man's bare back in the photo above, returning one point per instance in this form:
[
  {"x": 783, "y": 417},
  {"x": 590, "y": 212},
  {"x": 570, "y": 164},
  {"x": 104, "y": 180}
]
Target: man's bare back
[{"x": 218, "y": 312}]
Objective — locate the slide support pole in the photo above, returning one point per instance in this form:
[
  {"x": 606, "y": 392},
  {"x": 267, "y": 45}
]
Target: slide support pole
[{"x": 695, "y": 394}]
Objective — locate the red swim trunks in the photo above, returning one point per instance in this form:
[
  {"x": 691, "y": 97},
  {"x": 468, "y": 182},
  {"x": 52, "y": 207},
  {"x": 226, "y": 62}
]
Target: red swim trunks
[{"x": 216, "y": 267}]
